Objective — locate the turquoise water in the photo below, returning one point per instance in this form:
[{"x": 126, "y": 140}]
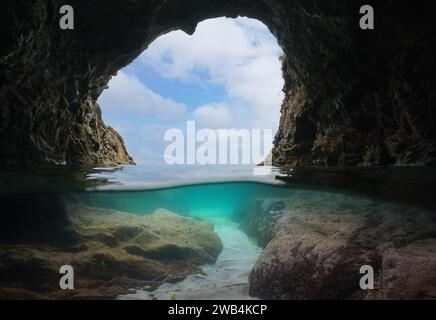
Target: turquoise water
[
  {"x": 200, "y": 201},
  {"x": 228, "y": 277},
  {"x": 34, "y": 212}
]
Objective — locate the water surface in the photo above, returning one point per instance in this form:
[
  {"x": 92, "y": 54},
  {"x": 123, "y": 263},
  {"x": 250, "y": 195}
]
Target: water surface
[{"x": 33, "y": 211}]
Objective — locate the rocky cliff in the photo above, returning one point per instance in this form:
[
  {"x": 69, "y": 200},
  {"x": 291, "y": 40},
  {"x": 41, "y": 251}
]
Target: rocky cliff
[{"x": 352, "y": 97}]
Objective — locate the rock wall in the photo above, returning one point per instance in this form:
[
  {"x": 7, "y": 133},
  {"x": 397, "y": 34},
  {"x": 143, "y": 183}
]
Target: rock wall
[
  {"x": 315, "y": 244},
  {"x": 48, "y": 95},
  {"x": 352, "y": 96},
  {"x": 358, "y": 97}
]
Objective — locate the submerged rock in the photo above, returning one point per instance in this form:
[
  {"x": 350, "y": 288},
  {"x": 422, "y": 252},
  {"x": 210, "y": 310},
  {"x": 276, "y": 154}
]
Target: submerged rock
[
  {"x": 113, "y": 252},
  {"x": 227, "y": 278},
  {"x": 316, "y": 245}
]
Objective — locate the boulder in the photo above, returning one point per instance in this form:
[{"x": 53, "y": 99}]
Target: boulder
[
  {"x": 319, "y": 241},
  {"x": 112, "y": 253}
]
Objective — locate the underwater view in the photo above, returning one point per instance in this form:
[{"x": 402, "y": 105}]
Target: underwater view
[
  {"x": 221, "y": 234},
  {"x": 175, "y": 155}
]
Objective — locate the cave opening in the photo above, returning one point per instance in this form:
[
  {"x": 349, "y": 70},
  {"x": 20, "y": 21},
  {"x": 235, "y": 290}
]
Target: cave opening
[
  {"x": 344, "y": 85},
  {"x": 227, "y": 75},
  {"x": 352, "y": 97}
]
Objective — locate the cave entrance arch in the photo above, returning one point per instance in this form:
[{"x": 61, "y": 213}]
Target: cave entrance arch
[
  {"x": 344, "y": 87},
  {"x": 226, "y": 77},
  {"x": 146, "y": 23}
]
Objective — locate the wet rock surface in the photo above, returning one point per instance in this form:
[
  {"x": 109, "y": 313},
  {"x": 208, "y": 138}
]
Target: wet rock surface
[
  {"x": 111, "y": 254},
  {"x": 314, "y": 248},
  {"x": 353, "y": 97}
]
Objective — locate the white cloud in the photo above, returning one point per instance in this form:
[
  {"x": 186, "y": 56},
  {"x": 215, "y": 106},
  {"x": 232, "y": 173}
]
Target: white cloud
[
  {"x": 240, "y": 55},
  {"x": 127, "y": 94},
  {"x": 214, "y": 116}
]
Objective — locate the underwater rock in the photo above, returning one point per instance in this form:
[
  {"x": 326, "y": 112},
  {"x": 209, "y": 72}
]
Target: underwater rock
[
  {"x": 114, "y": 252},
  {"x": 227, "y": 278},
  {"x": 317, "y": 248},
  {"x": 259, "y": 218},
  {"x": 409, "y": 272},
  {"x": 352, "y": 96}
]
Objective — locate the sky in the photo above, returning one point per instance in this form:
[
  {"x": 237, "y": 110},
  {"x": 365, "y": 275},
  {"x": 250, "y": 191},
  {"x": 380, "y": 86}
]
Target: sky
[{"x": 227, "y": 75}]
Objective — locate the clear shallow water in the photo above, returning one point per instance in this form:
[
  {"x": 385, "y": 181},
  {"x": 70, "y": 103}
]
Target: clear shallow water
[
  {"x": 32, "y": 201},
  {"x": 205, "y": 201},
  {"x": 216, "y": 198},
  {"x": 225, "y": 279}
]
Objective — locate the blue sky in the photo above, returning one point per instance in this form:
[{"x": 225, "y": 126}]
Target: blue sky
[{"x": 226, "y": 75}]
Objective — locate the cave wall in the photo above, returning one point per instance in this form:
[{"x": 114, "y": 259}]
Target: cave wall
[
  {"x": 358, "y": 97},
  {"x": 353, "y": 97}
]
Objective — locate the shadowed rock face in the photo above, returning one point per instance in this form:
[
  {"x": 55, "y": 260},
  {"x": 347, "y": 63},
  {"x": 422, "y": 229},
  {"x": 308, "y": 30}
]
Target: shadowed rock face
[
  {"x": 314, "y": 247},
  {"x": 352, "y": 96}
]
